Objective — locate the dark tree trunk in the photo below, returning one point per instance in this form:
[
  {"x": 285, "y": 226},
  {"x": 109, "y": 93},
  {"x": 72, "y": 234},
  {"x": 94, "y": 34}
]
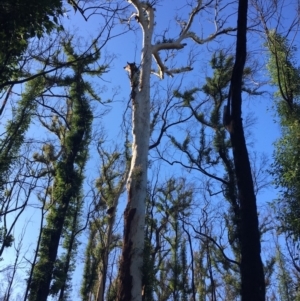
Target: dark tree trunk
[
  {"x": 66, "y": 188},
  {"x": 252, "y": 274}
]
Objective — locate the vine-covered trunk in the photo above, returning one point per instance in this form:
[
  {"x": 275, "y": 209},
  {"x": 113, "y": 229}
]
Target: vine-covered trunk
[
  {"x": 103, "y": 271},
  {"x": 252, "y": 274},
  {"x": 66, "y": 188}
]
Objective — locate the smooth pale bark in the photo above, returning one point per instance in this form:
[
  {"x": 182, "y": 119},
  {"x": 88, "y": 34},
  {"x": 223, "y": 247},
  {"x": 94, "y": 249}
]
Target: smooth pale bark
[{"x": 130, "y": 273}]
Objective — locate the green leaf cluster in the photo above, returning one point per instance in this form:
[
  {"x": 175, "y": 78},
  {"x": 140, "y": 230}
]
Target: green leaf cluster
[
  {"x": 63, "y": 218},
  {"x": 21, "y": 20},
  {"x": 285, "y": 75}
]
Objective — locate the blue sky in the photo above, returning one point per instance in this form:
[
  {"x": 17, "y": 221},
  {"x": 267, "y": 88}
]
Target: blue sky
[{"x": 126, "y": 48}]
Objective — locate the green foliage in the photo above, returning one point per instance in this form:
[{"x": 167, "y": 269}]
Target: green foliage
[
  {"x": 112, "y": 291},
  {"x": 20, "y": 21},
  {"x": 149, "y": 279},
  {"x": 165, "y": 261},
  {"x": 217, "y": 86},
  {"x": 285, "y": 288},
  {"x": 13, "y": 139},
  {"x": 283, "y": 71},
  {"x": 101, "y": 240},
  {"x": 285, "y": 75},
  {"x": 63, "y": 218},
  {"x": 200, "y": 272},
  {"x": 178, "y": 278},
  {"x": 18, "y": 126},
  {"x": 92, "y": 263},
  {"x": 5, "y": 239}
]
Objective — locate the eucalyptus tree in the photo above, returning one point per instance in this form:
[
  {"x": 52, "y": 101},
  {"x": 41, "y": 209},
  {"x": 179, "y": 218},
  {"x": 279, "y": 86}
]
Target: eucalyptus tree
[
  {"x": 206, "y": 148},
  {"x": 73, "y": 129},
  {"x": 285, "y": 76},
  {"x": 130, "y": 273},
  {"x": 284, "y": 72},
  {"x": 20, "y": 21},
  {"x": 10, "y": 145},
  {"x": 252, "y": 272},
  {"x": 102, "y": 237},
  {"x": 283, "y": 68},
  {"x": 166, "y": 267}
]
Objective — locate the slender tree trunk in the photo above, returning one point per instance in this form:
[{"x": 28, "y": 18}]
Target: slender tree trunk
[
  {"x": 252, "y": 274},
  {"x": 103, "y": 272},
  {"x": 36, "y": 250},
  {"x": 130, "y": 273},
  {"x": 71, "y": 248}
]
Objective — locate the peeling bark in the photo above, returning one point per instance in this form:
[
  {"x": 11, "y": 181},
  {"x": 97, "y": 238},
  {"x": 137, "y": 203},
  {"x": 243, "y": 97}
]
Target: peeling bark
[{"x": 127, "y": 255}]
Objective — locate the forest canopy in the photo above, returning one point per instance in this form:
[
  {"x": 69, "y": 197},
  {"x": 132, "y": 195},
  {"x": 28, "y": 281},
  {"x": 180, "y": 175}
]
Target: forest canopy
[{"x": 149, "y": 150}]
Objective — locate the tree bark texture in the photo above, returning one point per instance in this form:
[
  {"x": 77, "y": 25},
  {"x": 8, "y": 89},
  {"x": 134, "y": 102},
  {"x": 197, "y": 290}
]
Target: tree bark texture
[
  {"x": 252, "y": 274},
  {"x": 130, "y": 273}
]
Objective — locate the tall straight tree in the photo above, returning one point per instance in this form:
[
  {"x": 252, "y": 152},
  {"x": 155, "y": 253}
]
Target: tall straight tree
[
  {"x": 130, "y": 273},
  {"x": 252, "y": 274},
  {"x": 212, "y": 152},
  {"x": 102, "y": 239},
  {"x": 74, "y": 135},
  {"x": 285, "y": 75}
]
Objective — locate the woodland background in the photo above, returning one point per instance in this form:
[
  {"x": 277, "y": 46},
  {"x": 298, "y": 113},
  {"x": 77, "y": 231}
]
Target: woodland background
[{"x": 71, "y": 76}]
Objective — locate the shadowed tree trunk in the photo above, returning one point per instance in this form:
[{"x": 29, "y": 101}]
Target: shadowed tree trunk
[{"x": 253, "y": 284}]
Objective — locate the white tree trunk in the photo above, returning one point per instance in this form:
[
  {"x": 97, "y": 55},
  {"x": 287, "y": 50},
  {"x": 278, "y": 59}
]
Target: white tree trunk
[{"x": 130, "y": 275}]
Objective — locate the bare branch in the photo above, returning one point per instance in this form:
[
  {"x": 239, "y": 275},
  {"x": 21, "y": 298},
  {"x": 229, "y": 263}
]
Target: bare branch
[
  {"x": 215, "y": 243},
  {"x": 189, "y": 23},
  {"x": 185, "y": 34}
]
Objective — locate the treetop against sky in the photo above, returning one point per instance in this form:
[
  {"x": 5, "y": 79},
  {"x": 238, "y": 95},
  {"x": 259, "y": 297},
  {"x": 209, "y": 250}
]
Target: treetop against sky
[{"x": 120, "y": 43}]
